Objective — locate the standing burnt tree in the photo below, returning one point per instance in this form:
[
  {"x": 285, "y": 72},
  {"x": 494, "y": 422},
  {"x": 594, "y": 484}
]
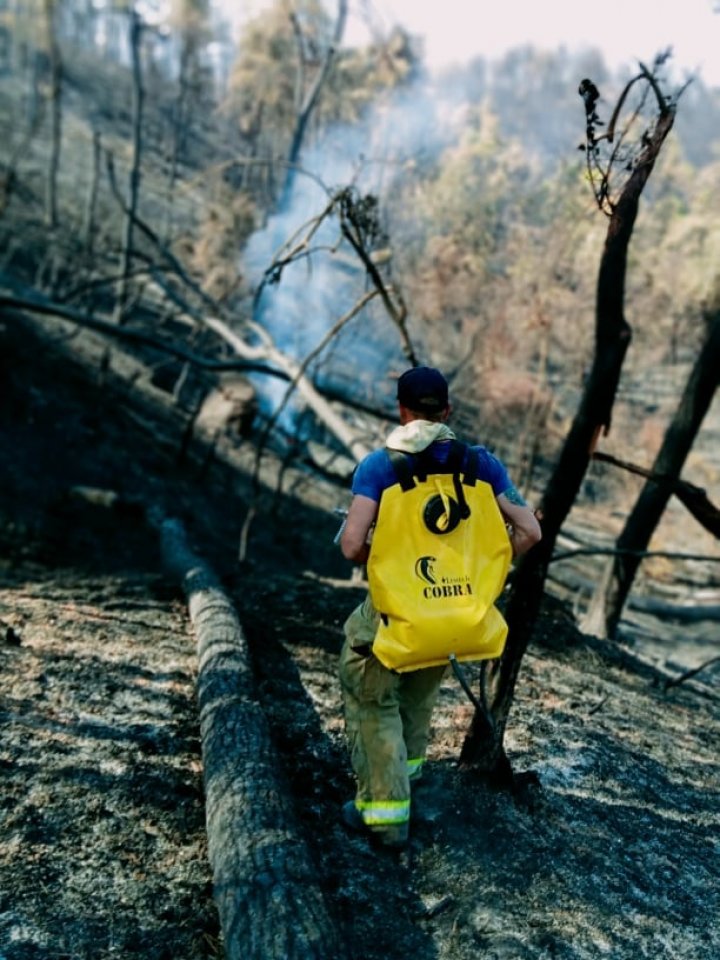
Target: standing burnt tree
[
  {"x": 55, "y": 98},
  {"x": 307, "y": 98},
  {"x": 620, "y": 159},
  {"x": 663, "y": 480},
  {"x": 138, "y": 97}
]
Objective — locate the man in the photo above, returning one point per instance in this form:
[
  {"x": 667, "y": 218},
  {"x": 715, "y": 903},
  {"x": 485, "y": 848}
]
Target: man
[{"x": 387, "y": 712}]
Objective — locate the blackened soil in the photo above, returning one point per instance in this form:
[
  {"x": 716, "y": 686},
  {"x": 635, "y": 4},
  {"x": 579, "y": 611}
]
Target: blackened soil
[
  {"x": 102, "y": 848},
  {"x": 615, "y": 854}
]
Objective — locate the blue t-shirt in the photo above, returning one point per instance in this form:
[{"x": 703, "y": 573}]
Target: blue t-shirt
[{"x": 375, "y": 472}]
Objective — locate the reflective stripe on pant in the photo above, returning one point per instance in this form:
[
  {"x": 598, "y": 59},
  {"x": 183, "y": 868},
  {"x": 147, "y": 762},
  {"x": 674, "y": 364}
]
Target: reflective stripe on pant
[
  {"x": 414, "y": 767},
  {"x": 387, "y": 721}
]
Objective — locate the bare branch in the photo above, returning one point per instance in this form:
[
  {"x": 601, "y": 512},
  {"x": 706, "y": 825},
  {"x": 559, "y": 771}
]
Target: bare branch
[
  {"x": 610, "y": 134},
  {"x": 330, "y": 335},
  {"x": 689, "y": 673},
  {"x": 157, "y": 242},
  {"x": 620, "y": 552},
  {"x": 620, "y": 157},
  {"x": 300, "y": 43},
  {"x": 692, "y": 497},
  {"x": 295, "y": 248},
  {"x": 354, "y": 232},
  {"x": 322, "y": 408},
  {"x": 88, "y": 286},
  {"x": 649, "y": 75}
]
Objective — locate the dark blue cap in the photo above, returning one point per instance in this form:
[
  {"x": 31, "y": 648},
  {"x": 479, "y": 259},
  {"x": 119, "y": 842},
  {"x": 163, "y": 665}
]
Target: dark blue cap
[{"x": 423, "y": 390}]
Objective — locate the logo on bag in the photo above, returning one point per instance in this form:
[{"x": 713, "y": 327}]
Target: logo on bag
[
  {"x": 424, "y": 569},
  {"x": 440, "y": 587}
]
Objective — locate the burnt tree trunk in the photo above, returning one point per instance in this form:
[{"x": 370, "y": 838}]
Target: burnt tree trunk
[
  {"x": 51, "y": 204},
  {"x": 136, "y": 28},
  {"x": 310, "y": 99},
  {"x": 612, "y": 338},
  {"x": 92, "y": 195},
  {"x": 268, "y": 897},
  {"x": 606, "y": 607},
  {"x": 181, "y": 116}
]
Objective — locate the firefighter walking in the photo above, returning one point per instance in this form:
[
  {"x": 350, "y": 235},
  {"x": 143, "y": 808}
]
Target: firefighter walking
[{"x": 446, "y": 520}]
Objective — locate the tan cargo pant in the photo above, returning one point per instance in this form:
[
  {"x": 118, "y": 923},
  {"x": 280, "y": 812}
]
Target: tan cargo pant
[{"x": 387, "y": 722}]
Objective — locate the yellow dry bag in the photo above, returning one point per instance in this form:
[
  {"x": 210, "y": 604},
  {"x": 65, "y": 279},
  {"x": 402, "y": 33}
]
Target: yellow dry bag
[{"x": 439, "y": 558}]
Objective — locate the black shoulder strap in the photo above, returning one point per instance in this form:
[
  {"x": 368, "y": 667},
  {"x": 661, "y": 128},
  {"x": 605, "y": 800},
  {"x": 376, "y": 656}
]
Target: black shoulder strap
[
  {"x": 472, "y": 468},
  {"x": 404, "y": 466},
  {"x": 408, "y": 466},
  {"x": 455, "y": 458},
  {"x": 461, "y": 459},
  {"x": 455, "y": 461}
]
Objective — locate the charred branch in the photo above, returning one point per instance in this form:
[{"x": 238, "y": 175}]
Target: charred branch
[
  {"x": 689, "y": 674},
  {"x": 150, "y": 234},
  {"x": 695, "y": 499},
  {"x": 640, "y": 554},
  {"x": 611, "y": 153},
  {"x": 358, "y": 222},
  {"x": 48, "y": 308},
  {"x": 138, "y": 94},
  {"x": 302, "y": 367}
]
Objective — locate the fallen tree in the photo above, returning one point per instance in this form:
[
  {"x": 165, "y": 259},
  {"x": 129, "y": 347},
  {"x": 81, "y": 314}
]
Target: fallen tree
[
  {"x": 265, "y": 359},
  {"x": 250, "y": 341},
  {"x": 269, "y": 898}
]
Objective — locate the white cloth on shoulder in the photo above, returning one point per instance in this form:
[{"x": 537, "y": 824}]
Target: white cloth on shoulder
[{"x": 417, "y": 435}]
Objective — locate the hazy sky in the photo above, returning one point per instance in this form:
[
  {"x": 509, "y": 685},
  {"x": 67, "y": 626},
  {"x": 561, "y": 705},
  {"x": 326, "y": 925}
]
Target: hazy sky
[{"x": 625, "y": 30}]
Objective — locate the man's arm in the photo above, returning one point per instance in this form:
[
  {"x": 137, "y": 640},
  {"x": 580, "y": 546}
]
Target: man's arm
[
  {"x": 360, "y": 518},
  {"x": 525, "y": 529}
]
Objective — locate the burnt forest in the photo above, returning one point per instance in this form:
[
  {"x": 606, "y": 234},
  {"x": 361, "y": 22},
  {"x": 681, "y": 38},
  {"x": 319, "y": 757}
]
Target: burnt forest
[{"x": 218, "y": 252}]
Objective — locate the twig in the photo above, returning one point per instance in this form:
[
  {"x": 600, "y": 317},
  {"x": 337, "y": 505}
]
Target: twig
[
  {"x": 210, "y": 303},
  {"x": 620, "y": 552},
  {"x": 598, "y": 705},
  {"x": 302, "y": 367},
  {"x": 296, "y": 249},
  {"x": 689, "y": 673},
  {"x": 245, "y": 533}
]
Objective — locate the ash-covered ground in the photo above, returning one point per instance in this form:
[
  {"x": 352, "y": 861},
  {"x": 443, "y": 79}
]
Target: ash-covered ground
[{"x": 102, "y": 848}]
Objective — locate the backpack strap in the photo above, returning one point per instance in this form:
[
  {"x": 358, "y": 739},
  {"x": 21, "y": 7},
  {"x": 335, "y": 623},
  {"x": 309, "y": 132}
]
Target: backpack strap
[
  {"x": 454, "y": 463},
  {"x": 404, "y": 466},
  {"x": 461, "y": 459},
  {"x": 411, "y": 466},
  {"x": 455, "y": 458},
  {"x": 472, "y": 468}
]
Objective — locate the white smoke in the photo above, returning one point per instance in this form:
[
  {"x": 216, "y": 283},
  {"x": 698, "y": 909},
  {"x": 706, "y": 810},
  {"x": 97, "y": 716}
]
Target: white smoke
[{"x": 316, "y": 290}]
